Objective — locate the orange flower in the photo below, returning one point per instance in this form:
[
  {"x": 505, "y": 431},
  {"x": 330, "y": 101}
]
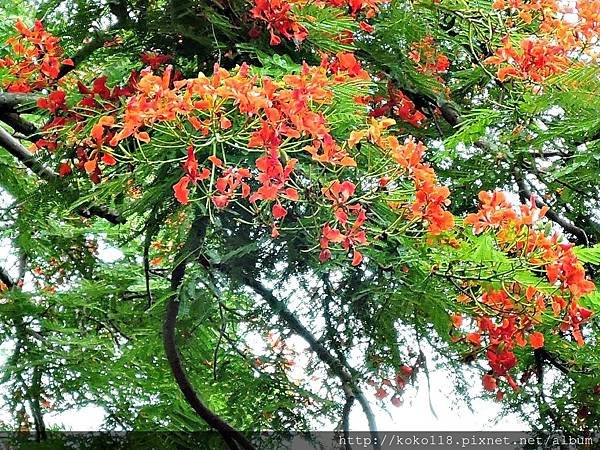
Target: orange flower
[
  {"x": 536, "y": 60},
  {"x": 536, "y": 339}
]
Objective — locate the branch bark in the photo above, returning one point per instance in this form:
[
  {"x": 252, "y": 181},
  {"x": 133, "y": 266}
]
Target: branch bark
[
  {"x": 15, "y": 148},
  {"x": 232, "y": 437},
  {"x": 35, "y": 393},
  {"x": 545, "y": 355},
  {"x": 346, "y": 417},
  {"x": 17, "y": 123},
  {"x": 11, "y": 101},
  {"x": 6, "y": 278},
  {"x": 336, "y": 367},
  {"x": 525, "y": 195}
]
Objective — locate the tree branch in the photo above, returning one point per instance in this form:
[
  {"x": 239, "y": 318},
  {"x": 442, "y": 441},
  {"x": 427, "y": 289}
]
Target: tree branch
[
  {"x": 194, "y": 241},
  {"x": 16, "y": 149},
  {"x": 553, "y": 360},
  {"x": 17, "y": 123},
  {"x": 292, "y": 321},
  {"x": 6, "y": 278},
  {"x": 336, "y": 367},
  {"x": 11, "y": 101},
  {"x": 104, "y": 212},
  {"x": 525, "y": 194},
  {"x": 34, "y": 394},
  {"x": 346, "y": 417}
]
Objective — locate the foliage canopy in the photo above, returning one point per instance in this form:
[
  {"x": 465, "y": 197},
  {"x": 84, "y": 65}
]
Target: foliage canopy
[{"x": 186, "y": 185}]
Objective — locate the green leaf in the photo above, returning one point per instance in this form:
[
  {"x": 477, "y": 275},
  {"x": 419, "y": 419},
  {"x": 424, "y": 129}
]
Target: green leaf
[{"x": 589, "y": 255}]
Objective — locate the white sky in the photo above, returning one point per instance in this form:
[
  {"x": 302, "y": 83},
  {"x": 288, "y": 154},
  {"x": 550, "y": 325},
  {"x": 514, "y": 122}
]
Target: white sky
[{"x": 413, "y": 415}]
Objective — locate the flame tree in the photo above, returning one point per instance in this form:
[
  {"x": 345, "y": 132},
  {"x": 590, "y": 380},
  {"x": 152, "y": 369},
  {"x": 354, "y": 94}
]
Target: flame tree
[{"x": 187, "y": 186}]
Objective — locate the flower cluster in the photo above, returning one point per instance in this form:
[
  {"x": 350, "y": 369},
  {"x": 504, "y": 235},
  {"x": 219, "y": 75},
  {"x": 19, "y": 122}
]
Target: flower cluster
[
  {"x": 570, "y": 24},
  {"x": 564, "y": 30},
  {"x": 39, "y": 59},
  {"x": 430, "y": 197},
  {"x": 280, "y": 20},
  {"x": 514, "y": 230},
  {"x": 273, "y": 112},
  {"x": 345, "y": 232},
  {"x": 192, "y": 175},
  {"x": 283, "y": 17},
  {"x": 526, "y": 8},
  {"x": 345, "y": 65},
  {"x": 428, "y": 59},
  {"x": 507, "y": 316},
  {"x": 536, "y": 60},
  {"x": 397, "y": 104},
  {"x": 91, "y": 152},
  {"x": 404, "y": 375}
]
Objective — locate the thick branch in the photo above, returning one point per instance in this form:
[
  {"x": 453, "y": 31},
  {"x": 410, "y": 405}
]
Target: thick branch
[
  {"x": 35, "y": 393},
  {"x": 10, "y": 101},
  {"x": 17, "y": 123},
  {"x": 231, "y": 436},
  {"x": 553, "y": 360},
  {"x": 346, "y": 418},
  {"x": 366, "y": 407},
  {"x": 104, "y": 212},
  {"x": 6, "y": 278},
  {"x": 15, "y": 148}
]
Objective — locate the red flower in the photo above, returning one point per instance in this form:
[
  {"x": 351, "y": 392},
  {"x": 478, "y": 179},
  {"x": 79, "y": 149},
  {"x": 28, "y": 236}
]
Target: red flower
[
  {"x": 279, "y": 211},
  {"x": 536, "y": 339},
  {"x": 396, "y": 400},
  {"x": 339, "y": 193},
  {"x": 190, "y": 167},
  {"x": 489, "y": 383},
  {"x": 279, "y": 18},
  {"x": 228, "y": 184},
  {"x": 351, "y": 234},
  {"x": 265, "y": 137},
  {"x": 108, "y": 159},
  {"x": 155, "y": 60},
  {"x": 381, "y": 393},
  {"x": 64, "y": 169},
  {"x": 273, "y": 178},
  {"x": 474, "y": 338},
  {"x": 356, "y": 258},
  {"x": 54, "y": 102},
  {"x": 181, "y": 190}
]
